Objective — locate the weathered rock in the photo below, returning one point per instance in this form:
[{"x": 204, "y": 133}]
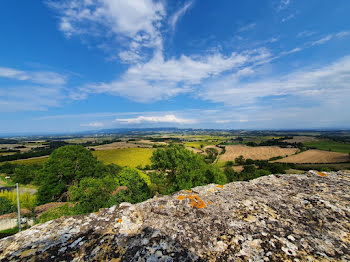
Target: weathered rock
[{"x": 272, "y": 218}]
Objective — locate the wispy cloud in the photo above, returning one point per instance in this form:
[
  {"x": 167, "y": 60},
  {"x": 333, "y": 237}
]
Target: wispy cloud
[
  {"x": 287, "y": 18},
  {"x": 38, "y": 77},
  {"x": 306, "y": 33},
  {"x": 324, "y": 84},
  {"x": 284, "y": 4},
  {"x": 330, "y": 37},
  {"x": 247, "y": 27},
  {"x": 155, "y": 119},
  {"x": 178, "y": 14},
  {"x": 93, "y": 124}
]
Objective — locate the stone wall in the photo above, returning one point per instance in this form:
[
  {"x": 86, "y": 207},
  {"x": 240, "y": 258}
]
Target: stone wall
[{"x": 273, "y": 218}]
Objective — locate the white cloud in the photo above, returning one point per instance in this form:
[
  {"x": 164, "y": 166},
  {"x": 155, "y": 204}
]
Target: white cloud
[
  {"x": 31, "y": 90},
  {"x": 328, "y": 84},
  {"x": 156, "y": 119},
  {"x": 287, "y": 18},
  {"x": 178, "y": 14},
  {"x": 160, "y": 79},
  {"x": 306, "y": 34},
  {"x": 330, "y": 37},
  {"x": 30, "y": 98},
  {"x": 284, "y": 4},
  {"x": 136, "y": 24},
  {"x": 47, "y": 78},
  {"x": 246, "y": 27},
  {"x": 93, "y": 124}
]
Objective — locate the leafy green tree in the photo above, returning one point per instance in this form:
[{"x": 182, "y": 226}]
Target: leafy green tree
[
  {"x": 65, "y": 167},
  {"x": 231, "y": 175},
  {"x": 25, "y": 174},
  {"x": 240, "y": 160},
  {"x": 6, "y": 206},
  {"x": 183, "y": 169},
  {"x": 135, "y": 187},
  {"x": 92, "y": 193}
]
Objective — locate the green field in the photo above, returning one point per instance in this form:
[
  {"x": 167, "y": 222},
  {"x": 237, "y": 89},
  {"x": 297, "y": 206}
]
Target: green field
[
  {"x": 132, "y": 157},
  {"x": 332, "y": 145},
  {"x": 198, "y": 144},
  {"x": 31, "y": 161}
]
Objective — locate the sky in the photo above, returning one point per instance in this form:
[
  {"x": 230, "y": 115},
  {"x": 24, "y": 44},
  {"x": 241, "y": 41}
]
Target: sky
[{"x": 70, "y": 66}]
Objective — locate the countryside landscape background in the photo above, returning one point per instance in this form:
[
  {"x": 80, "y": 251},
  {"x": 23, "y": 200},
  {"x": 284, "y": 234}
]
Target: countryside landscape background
[{"x": 110, "y": 101}]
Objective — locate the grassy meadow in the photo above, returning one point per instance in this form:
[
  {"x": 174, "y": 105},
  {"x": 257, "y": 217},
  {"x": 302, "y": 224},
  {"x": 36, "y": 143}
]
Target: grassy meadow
[
  {"x": 332, "y": 145},
  {"x": 132, "y": 157}
]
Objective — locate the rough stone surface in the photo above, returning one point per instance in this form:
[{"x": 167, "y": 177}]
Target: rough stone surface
[{"x": 272, "y": 218}]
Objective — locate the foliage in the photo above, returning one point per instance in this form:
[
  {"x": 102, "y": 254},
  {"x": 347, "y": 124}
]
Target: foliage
[
  {"x": 66, "y": 166},
  {"x": 25, "y": 174},
  {"x": 240, "y": 160},
  {"x": 231, "y": 175},
  {"x": 8, "y": 168},
  {"x": 137, "y": 187},
  {"x": 92, "y": 193},
  {"x": 183, "y": 169},
  {"x": 6, "y": 206},
  {"x": 55, "y": 212},
  {"x": 26, "y": 200},
  {"x": 131, "y": 157},
  {"x": 212, "y": 154}
]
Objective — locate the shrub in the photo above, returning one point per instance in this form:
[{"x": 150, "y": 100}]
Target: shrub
[
  {"x": 6, "y": 206},
  {"x": 26, "y": 200},
  {"x": 55, "y": 212}
]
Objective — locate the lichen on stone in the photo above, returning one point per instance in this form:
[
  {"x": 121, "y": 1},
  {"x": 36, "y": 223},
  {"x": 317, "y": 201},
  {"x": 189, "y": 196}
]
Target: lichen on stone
[{"x": 272, "y": 218}]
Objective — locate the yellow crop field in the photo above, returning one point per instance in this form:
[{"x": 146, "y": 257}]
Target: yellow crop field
[
  {"x": 316, "y": 156},
  {"x": 132, "y": 157},
  {"x": 259, "y": 152},
  {"x": 31, "y": 161}
]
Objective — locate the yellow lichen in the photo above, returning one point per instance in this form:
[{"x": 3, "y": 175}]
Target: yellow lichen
[
  {"x": 210, "y": 202},
  {"x": 120, "y": 220},
  {"x": 181, "y": 197},
  {"x": 220, "y": 186}
]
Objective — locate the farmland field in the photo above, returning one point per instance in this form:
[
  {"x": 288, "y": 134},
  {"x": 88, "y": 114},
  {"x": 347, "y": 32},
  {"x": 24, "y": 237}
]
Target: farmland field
[
  {"x": 301, "y": 139},
  {"x": 117, "y": 145},
  {"x": 31, "y": 161},
  {"x": 332, "y": 145},
  {"x": 132, "y": 157},
  {"x": 197, "y": 144},
  {"x": 255, "y": 153},
  {"x": 316, "y": 156}
]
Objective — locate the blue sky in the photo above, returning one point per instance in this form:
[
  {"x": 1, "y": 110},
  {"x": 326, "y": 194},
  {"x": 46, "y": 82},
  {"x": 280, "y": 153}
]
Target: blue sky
[{"x": 68, "y": 66}]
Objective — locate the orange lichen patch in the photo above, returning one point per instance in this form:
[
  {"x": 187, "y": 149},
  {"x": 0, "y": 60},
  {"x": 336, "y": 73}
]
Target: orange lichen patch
[
  {"x": 321, "y": 174},
  {"x": 188, "y": 191},
  {"x": 120, "y": 220},
  {"x": 161, "y": 207},
  {"x": 210, "y": 202},
  {"x": 220, "y": 186},
  {"x": 197, "y": 202},
  {"x": 191, "y": 197},
  {"x": 181, "y": 197}
]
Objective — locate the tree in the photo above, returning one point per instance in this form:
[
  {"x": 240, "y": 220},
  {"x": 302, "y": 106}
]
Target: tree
[
  {"x": 134, "y": 187},
  {"x": 6, "y": 206},
  {"x": 92, "y": 193},
  {"x": 240, "y": 160},
  {"x": 183, "y": 169},
  {"x": 65, "y": 167},
  {"x": 25, "y": 174}
]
